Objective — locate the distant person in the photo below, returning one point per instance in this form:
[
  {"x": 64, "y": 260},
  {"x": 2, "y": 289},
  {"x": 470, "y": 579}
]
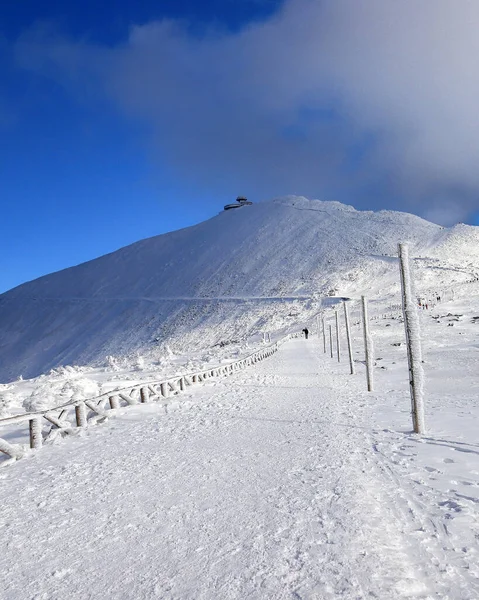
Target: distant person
[{"x": 306, "y": 332}]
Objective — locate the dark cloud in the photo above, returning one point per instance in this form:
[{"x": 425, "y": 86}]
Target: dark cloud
[{"x": 372, "y": 103}]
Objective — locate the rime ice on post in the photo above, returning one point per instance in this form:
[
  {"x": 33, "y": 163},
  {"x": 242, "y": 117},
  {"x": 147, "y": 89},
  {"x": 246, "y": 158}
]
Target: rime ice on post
[
  {"x": 324, "y": 334},
  {"x": 413, "y": 340},
  {"x": 368, "y": 345},
  {"x": 13, "y": 450},
  {"x": 338, "y": 348},
  {"x": 348, "y": 337}
]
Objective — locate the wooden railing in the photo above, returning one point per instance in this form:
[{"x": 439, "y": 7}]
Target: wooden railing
[{"x": 44, "y": 426}]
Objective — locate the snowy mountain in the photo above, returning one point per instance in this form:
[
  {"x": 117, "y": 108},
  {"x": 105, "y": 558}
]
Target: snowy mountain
[
  {"x": 259, "y": 268},
  {"x": 285, "y": 479}
]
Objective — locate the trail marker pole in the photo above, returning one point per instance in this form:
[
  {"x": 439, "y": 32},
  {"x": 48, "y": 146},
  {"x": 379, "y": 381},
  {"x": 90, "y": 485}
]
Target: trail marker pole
[
  {"x": 338, "y": 349},
  {"x": 348, "y": 337},
  {"x": 413, "y": 341},
  {"x": 331, "y": 340},
  {"x": 324, "y": 335},
  {"x": 368, "y": 345}
]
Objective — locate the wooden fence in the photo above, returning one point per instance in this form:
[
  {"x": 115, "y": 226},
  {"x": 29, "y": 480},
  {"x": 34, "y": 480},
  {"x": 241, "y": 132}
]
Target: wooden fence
[{"x": 44, "y": 426}]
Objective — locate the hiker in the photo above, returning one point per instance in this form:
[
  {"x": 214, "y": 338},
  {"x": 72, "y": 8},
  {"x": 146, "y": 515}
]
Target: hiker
[{"x": 306, "y": 332}]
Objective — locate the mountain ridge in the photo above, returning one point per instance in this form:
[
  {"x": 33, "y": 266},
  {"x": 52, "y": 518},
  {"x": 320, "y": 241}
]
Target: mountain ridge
[{"x": 290, "y": 246}]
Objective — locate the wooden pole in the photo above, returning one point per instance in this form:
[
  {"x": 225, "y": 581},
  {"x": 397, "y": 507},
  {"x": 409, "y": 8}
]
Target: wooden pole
[
  {"x": 324, "y": 335},
  {"x": 413, "y": 341},
  {"x": 144, "y": 395},
  {"x": 36, "y": 439},
  {"x": 348, "y": 337},
  {"x": 80, "y": 414},
  {"x": 14, "y": 451},
  {"x": 338, "y": 349},
  {"x": 331, "y": 340},
  {"x": 114, "y": 401},
  {"x": 368, "y": 345}
]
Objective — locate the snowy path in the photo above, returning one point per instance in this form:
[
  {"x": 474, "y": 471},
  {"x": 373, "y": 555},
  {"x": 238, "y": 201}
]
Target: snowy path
[{"x": 265, "y": 485}]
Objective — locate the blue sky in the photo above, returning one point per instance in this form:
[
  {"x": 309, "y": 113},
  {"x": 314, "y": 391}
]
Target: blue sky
[
  {"x": 77, "y": 180},
  {"x": 123, "y": 120}
]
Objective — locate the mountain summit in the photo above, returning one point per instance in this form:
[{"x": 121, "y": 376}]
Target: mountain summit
[{"x": 228, "y": 276}]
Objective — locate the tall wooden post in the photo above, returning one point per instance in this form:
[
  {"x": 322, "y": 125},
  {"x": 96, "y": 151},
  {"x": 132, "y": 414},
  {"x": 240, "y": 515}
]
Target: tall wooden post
[
  {"x": 413, "y": 341},
  {"x": 338, "y": 343},
  {"x": 324, "y": 335},
  {"x": 348, "y": 337},
  {"x": 331, "y": 340},
  {"x": 368, "y": 345}
]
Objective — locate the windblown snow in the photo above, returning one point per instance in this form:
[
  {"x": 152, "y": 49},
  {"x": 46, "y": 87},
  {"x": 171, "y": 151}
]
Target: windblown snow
[{"x": 284, "y": 481}]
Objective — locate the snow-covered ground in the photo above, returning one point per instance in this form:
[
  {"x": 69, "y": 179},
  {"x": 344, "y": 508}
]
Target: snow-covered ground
[
  {"x": 67, "y": 384},
  {"x": 287, "y": 480}
]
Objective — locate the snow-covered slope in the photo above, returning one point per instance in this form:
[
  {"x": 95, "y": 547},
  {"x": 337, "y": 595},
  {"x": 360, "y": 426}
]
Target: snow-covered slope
[{"x": 219, "y": 282}]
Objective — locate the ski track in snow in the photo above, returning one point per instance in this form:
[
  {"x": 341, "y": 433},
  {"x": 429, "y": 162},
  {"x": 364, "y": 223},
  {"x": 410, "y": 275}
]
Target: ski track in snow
[{"x": 273, "y": 483}]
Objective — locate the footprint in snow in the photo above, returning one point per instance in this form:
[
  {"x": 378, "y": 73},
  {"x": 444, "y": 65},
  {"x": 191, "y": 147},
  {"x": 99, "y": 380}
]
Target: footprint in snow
[{"x": 432, "y": 470}]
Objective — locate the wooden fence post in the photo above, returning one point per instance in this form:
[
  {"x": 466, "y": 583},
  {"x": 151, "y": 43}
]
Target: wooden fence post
[
  {"x": 36, "y": 439},
  {"x": 348, "y": 337},
  {"x": 114, "y": 401},
  {"x": 413, "y": 341},
  {"x": 144, "y": 395},
  {"x": 331, "y": 341},
  {"x": 80, "y": 414},
  {"x": 368, "y": 345}
]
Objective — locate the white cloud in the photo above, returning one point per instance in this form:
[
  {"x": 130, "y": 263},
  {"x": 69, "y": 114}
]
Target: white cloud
[{"x": 375, "y": 101}]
